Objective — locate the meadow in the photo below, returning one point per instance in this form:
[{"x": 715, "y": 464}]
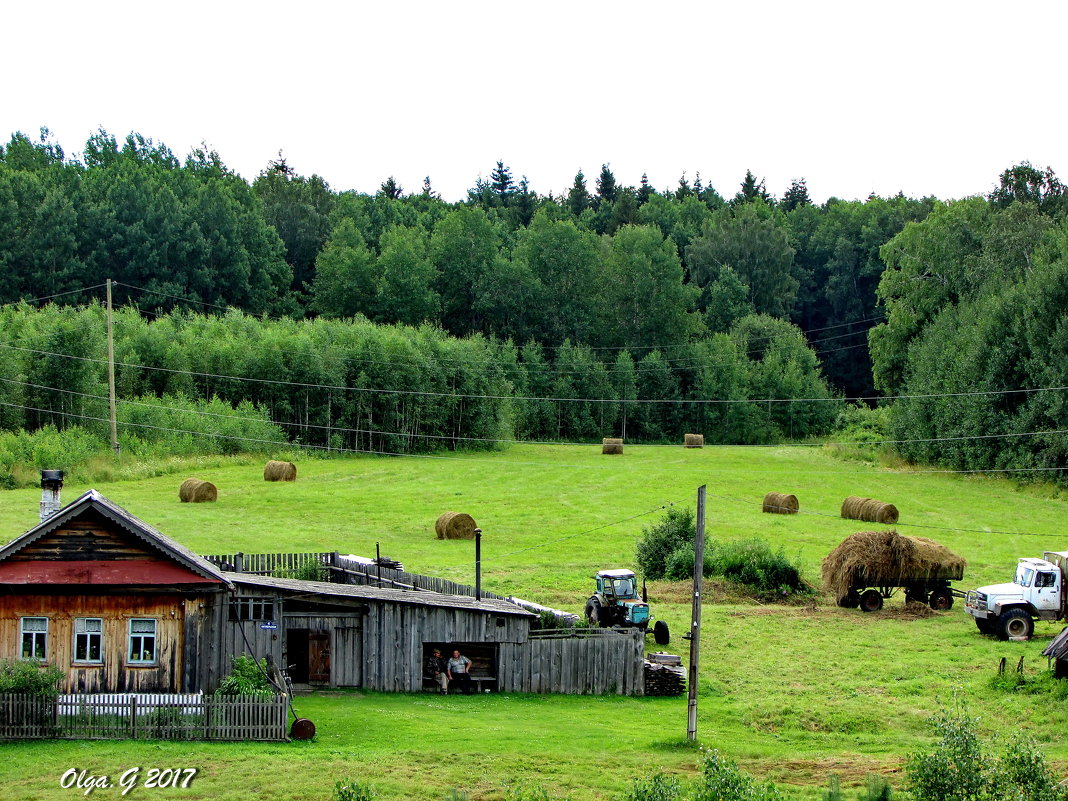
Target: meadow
[{"x": 794, "y": 692}]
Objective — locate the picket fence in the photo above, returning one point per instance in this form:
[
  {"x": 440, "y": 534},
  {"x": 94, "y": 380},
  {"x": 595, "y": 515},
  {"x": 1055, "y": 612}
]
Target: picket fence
[{"x": 176, "y": 716}]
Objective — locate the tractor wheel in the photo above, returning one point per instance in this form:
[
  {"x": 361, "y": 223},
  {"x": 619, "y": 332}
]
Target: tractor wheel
[
  {"x": 1015, "y": 623},
  {"x": 871, "y": 601},
  {"x": 941, "y": 599},
  {"x": 661, "y": 635},
  {"x": 594, "y": 613}
]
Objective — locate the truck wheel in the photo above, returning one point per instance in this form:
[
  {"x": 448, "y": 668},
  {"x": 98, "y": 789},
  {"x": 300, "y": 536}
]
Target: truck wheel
[
  {"x": 1015, "y": 623},
  {"x": 985, "y": 626},
  {"x": 871, "y": 601},
  {"x": 661, "y": 635},
  {"x": 941, "y": 599}
]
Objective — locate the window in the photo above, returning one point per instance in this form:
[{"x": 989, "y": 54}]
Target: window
[
  {"x": 88, "y": 639},
  {"x": 252, "y": 609},
  {"x": 1045, "y": 580},
  {"x": 34, "y": 638},
  {"x": 142, "y": 640}
]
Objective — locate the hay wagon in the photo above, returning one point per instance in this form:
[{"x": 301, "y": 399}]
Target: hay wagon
[{"x": 870, "y": 566}]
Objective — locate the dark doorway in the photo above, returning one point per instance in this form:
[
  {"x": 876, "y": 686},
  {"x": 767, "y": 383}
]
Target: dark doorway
[{"x": 308, "y": 656}]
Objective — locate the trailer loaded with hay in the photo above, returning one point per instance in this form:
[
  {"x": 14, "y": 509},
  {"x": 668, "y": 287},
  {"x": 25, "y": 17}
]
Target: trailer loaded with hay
[{"x": 870, "y": 566}]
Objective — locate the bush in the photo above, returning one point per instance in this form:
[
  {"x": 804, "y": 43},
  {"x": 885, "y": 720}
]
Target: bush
[
  {"x": 658, "y": 787},
  {"x": 659, "y": 541},
  {"x": 722, "y": 780},
  {"x": 754, "y": 563},
  {"x": 24, "y": 676},
  {"x": 957, "y": 769},
  {"x": 352, "y": 790},
  {"x": 311, "y": 570},
  {"x": 247, "y": 677}
]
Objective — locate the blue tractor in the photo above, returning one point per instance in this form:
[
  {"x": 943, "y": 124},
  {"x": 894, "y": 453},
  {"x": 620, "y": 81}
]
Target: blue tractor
[{"x": 617, "y": 603}]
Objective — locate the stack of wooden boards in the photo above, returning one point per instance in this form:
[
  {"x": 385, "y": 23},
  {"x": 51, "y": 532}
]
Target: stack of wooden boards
[{"x": 664, "y": 675}]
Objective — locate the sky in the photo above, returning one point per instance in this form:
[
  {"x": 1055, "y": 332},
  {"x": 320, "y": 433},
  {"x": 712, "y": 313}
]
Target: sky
[{"x": 926, "y": 98}]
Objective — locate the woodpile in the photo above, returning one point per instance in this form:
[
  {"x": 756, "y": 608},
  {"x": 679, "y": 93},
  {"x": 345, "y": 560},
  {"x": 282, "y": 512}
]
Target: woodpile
[
  {"x": 612, "y": 445},
  {"x": 279, "y": 471},
  {"x": 385, "y": 561},
  {"x": 193, "y": 490},
  {"x": 869, "y": 510},
  {"x": 693, "y": 441},
  {"x": 664, "y": 676},
  {"x": 779, "y": 503},
  {"x": 455, "y": 526}
]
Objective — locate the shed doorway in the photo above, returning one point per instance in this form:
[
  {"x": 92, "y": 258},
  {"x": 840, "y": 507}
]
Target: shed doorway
[{"x": 308, "y": 656}]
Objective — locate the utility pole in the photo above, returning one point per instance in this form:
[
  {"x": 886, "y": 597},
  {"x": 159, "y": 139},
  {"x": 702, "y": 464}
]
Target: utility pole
[
  {"x": 695, "y": 625},
  {"x": 111, "y": 377}
]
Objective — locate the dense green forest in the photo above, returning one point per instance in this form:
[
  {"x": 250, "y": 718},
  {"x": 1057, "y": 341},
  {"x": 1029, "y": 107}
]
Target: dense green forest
[{"x": 612, "y": 309}]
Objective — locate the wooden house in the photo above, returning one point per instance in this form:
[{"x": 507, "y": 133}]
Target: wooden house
[{"x": 106, "y": 598}]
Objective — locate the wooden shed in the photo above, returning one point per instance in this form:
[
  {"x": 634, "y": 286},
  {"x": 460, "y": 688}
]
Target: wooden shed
[
  {"x": 107, "y": 598},
  {"x": 347, "y": 635},
  {"x": 1057, "y": 651}
]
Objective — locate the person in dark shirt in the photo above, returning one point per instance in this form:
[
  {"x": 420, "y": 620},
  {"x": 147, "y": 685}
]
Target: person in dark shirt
[{"x": 438, "y": 671}]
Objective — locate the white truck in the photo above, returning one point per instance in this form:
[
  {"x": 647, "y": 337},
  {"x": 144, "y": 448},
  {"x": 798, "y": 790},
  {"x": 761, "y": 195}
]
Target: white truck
[{"x": 1037, "y": 592}]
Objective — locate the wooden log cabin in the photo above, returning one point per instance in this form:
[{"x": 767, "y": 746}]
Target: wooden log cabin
[{"x": 106, "y": 598}]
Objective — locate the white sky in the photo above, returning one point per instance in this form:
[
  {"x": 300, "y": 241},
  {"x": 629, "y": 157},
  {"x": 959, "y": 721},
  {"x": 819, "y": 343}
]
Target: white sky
[{"x": 934, "y": 97}]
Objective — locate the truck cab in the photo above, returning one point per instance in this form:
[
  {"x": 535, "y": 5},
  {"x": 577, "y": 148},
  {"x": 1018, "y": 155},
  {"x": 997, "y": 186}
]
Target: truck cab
[{"x": 1037, "y": 592}]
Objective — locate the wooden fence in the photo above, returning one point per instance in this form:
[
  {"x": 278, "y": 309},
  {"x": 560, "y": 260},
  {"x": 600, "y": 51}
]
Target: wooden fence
[
  {"x": 142, "y": 716},
  {"x": 342, "y": 571},
  {"x": 583, "y": 661}
]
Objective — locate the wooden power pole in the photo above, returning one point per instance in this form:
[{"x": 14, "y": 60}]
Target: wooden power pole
[
  {"x": 111, "y": 377},
  {"x": 695, "y": 624}
]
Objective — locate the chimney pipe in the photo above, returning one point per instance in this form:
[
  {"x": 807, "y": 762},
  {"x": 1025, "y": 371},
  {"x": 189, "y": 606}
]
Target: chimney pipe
[
  {"x": 478, "y": 564},
  {"x": 51, "y": 484}
]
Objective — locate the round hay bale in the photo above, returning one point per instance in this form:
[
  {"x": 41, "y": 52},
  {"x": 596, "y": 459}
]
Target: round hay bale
[
  {"x": 612, "y": 445},
  {"x": 193, "y": 490},
  {"x": 693, "y": 441},
  {"x": 455, "y": 526},
  {"x": 869, "y": 510},
  {"x": 279, "y": 471},
  {"x": 780, "y": 503}
]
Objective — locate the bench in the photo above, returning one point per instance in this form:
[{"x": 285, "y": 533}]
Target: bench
[{"x": 481, "y": 683}]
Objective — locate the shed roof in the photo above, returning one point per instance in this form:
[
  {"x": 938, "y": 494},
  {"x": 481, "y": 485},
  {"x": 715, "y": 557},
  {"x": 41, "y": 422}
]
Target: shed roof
[
  {"x": 1058, "y": 647},
  {"x": 366, "y": 592},
  {"x": 151, "y": 536}
]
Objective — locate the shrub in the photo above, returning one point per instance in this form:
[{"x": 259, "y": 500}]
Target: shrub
[
  {"x": 351, "y": 790},
  {"x": 311, "y": 570},
  {"x": 658, "y": 787},
  {"x": 722, "y": 780},
  {"x": 754, "y": 563},
  {"x": 24, "y": 676},
  {"x": 659, "y": 541},
  {"x": 246, "y": 677}
]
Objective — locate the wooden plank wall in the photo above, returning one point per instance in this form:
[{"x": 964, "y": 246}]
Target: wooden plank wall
[
  {"x": 608, "y": 661},
  {"x": 221, "y": 639}
]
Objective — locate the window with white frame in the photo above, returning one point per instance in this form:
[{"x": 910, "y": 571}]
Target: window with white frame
[
  {"x": 142, "y": 640},
  {"x": 35, "y": 638},
  {"x": 88, "y": 639}
]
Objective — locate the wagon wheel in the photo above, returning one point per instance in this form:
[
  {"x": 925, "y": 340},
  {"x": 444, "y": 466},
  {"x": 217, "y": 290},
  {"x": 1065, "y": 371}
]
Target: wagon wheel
[
  {"x": 941, "y": 599},
  {"x": 871, "y": 601},
  {"x": 850, "y": 601}
]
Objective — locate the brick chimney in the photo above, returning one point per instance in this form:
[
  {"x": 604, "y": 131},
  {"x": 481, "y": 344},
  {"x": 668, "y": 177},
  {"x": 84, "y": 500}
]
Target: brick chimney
[{"x": 51, "y": 485}]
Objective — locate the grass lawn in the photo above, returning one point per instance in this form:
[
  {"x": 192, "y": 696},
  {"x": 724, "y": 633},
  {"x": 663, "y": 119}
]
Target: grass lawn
[{"x": 794, "y": 693}]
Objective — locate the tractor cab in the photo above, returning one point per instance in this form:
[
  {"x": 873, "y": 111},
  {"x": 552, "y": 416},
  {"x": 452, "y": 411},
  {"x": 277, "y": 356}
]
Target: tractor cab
[{"x": 617, "y": 585}]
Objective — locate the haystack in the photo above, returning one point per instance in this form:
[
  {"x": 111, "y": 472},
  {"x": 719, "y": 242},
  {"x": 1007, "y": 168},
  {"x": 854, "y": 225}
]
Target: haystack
[
  {"x": 780, "y": 503},
  {"x": 869, "y": 510},
  {"x": 693, "y": 441},
  {"x": 279, "y": 471},
  {"x": 455, "y": 526},
  {"x": 193, "y": 490},
  {"x": 887, "y": 559},
  {"x": 611, "y": 445}
]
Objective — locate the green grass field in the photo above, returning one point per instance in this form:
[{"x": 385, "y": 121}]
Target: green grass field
[{"x": 794, "y": 693}]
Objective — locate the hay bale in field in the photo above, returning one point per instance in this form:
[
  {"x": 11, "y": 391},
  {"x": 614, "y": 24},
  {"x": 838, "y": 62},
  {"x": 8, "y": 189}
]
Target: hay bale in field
[
  {"x": 611, "y": 445},
  {"x": 887, "y": 559},
  {"x": 780, "y": 503},
  {"x": 693, "y": 441},
  {"x": 193, "y": 490},
  {"x": 869, "y": 510},
  {"x": 455, "y": 526},
  {"x": 279, "y": 471}
]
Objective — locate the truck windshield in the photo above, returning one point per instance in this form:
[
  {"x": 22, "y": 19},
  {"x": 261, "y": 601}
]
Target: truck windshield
[{"x": 1024, "y": 576}]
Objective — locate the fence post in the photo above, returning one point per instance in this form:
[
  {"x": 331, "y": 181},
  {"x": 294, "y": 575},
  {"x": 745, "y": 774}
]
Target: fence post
[{"x": 133, "y": 716}]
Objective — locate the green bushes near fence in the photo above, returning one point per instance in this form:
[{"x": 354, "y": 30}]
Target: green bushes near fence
[{"x": 24, "y": 676}]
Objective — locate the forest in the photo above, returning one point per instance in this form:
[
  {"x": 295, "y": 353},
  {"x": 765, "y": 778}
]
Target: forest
[{"x": 397, "y": 321}]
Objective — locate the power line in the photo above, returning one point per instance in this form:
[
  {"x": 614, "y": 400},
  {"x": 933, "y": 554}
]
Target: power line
[
  {"x": 50, "y": 297},
  {"x": 456, "y": 437},
  {"x": 475, "y": 396}
]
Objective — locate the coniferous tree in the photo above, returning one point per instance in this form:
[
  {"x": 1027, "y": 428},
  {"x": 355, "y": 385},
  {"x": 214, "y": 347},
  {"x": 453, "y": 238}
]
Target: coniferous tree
[
  {"x": 645, "y": 191},
  {"x": 606, "y": 186},
  {"x": 502, "y": 184},
  {"x": 391, "y": 189},
  {"x": 751, "y": 190},
  {"x": 796, "y": 196},
  {"x": 578, "y": 198}
]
